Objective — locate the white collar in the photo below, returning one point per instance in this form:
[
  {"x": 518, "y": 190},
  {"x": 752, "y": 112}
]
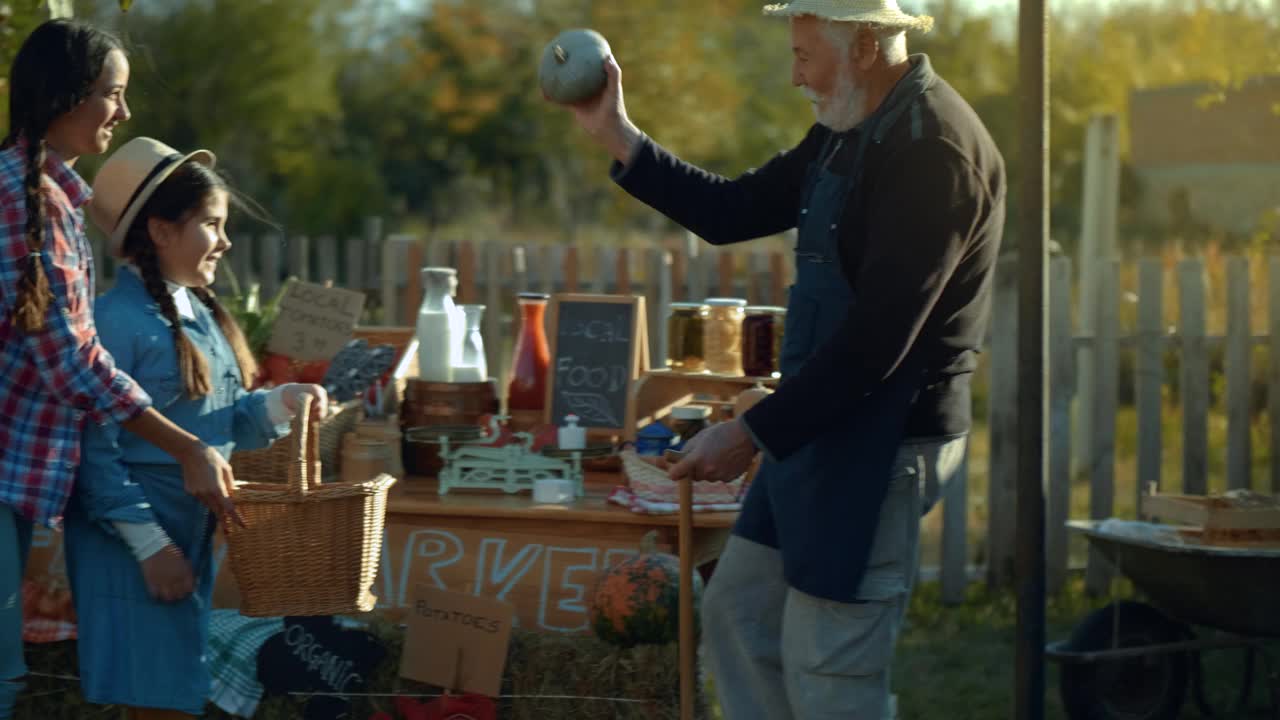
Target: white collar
[{"x": 181, "y": 298}]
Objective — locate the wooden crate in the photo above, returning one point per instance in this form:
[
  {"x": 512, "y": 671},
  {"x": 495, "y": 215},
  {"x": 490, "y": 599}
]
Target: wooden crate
[
  {"x": 1241, "y": 518},
  {"x": 1218, "y": 512}
]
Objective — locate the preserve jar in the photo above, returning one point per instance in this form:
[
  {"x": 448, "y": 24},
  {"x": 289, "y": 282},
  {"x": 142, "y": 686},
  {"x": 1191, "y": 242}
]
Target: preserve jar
[
  {"x": 688, "y": 421},
  {"x": 762, "y": 327},
  {"x": 722, "y": 339},
  {"x": 685, "y": 326}
]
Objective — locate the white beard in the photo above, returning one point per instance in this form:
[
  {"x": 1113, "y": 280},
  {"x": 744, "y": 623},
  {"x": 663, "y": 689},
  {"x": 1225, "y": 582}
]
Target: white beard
[{"x": 844, "y": 108}]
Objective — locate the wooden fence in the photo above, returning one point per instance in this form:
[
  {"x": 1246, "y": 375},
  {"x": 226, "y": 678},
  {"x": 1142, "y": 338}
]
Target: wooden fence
[
  {"x": 1155, "y": 334},
  {"x": 491, "y": 273}
]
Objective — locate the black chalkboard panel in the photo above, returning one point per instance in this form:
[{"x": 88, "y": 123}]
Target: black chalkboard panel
[
  {"x": 316, "y": 655},
  {"x": 596, "y": 343}
]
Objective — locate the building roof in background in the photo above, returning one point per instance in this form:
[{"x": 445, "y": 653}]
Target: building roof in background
[{"x": 1168, "y": 127}]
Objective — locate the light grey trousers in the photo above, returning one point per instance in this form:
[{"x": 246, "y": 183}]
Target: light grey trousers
[{"x": 775, "y": 653}]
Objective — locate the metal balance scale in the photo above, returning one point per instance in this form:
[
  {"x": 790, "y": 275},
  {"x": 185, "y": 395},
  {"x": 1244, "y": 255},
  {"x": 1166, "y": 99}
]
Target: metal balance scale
[{"x": 478, "y": 464}]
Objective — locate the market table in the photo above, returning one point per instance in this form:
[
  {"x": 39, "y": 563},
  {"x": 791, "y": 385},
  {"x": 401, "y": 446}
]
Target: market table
[{"x": 541, "y": 558}]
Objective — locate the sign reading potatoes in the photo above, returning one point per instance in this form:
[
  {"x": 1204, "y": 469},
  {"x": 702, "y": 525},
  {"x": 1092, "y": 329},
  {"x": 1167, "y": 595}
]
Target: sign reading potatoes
[{"x": 457, "y": 641}]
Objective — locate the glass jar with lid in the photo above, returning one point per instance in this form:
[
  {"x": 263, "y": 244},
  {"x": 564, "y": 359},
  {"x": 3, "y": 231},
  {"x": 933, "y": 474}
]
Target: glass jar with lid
[
  {"x": 722, "y": 340},
  {"x": 685, "y": 327},
  {"x": 762, "y": 328},
  {"x": 689, "y": 420}
]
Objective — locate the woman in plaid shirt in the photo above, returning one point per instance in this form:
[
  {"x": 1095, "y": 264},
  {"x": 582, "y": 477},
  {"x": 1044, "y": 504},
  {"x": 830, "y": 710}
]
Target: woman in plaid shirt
[{"x": 66, "y": 95}]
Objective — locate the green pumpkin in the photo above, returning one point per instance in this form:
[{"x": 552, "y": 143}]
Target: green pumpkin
[
  {"x": 572, "y": 67},
  {"x": 637, "y": 601}
]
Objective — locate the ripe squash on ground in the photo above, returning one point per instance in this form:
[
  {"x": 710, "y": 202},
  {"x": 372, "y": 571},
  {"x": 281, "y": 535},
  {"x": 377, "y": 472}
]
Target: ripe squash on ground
[{"x": 637, "y": 601}]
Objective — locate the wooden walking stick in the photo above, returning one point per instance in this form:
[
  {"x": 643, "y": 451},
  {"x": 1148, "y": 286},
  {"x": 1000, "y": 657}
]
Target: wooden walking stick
[
  {"x": 688, "y": 671},
  {"x": 688, "y": 649}
]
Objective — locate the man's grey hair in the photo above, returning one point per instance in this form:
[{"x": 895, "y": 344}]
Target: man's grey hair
[{"x": 893, "y": 41}]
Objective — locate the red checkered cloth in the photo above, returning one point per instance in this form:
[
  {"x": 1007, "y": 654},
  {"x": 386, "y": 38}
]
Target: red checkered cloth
[{"x": 626, "y": 497}]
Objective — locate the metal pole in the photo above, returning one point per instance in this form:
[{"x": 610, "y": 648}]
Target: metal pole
[{"x": 1033, "y": 241}]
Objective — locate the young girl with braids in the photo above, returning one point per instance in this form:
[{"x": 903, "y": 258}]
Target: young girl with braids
[
  {"x": 66, "y": 96},
  {"x": 138, "y": 546}
]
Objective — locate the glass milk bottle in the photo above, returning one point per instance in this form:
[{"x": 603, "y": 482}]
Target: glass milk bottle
[
  {"x": 474, "y": 367},
  {"x": 440, "y": 326}
]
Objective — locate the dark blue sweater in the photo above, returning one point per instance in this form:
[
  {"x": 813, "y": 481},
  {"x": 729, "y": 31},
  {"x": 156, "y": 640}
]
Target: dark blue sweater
[{"x": 919, "y": 251}]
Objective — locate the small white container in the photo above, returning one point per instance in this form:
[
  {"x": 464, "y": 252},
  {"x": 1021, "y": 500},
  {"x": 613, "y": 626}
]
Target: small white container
[
  {"x": 552, "y": 491},
  {"x": 570, "y": 436}
]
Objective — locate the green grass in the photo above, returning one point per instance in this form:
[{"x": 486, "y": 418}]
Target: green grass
[{"x": 958, "y": 663}]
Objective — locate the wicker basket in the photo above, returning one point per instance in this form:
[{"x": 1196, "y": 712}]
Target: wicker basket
[
  {"x": 307, "y": 548},
  {"x": 274, "y": 461},
  {"x": 648, "y": 482}
]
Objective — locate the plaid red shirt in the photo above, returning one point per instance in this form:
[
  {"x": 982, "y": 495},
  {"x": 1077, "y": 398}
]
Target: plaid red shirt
[{"x": 52, "y": 380}]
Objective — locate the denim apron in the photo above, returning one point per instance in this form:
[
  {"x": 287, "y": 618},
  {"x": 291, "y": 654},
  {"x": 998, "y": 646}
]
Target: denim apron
[{"x": 820, "y": 506}]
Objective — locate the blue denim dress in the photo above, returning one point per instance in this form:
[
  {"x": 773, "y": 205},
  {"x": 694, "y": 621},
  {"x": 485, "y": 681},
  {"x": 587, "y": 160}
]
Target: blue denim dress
[{"x": 134, "y": 650}]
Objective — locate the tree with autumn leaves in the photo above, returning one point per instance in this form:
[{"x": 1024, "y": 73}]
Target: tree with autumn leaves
[{"x": 432, "y": 117}]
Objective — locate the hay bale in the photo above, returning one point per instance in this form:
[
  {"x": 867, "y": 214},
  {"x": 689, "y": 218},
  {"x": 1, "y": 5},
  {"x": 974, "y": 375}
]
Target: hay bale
[
  {"x": 541, "y": 664},
  {"x": 54, "y": 698},
  {"x": 537, "y": 664}
]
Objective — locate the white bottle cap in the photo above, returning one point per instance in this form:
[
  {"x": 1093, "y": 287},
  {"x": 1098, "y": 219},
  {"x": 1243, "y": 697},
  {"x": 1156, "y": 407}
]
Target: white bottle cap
[{"x": 691, "y": 412}]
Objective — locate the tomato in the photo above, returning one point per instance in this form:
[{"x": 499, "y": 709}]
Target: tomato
[
  {"x": 277, "y": 369},
  {"x": 313, "y": 372},
  {"x": 544, "y": 436}
]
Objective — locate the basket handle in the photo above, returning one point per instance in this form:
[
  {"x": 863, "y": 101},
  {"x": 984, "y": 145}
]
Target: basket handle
[{"x": 304, "y": 469}]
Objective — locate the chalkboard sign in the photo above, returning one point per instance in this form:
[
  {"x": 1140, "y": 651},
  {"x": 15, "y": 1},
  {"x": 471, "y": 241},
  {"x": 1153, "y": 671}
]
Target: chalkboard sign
[
  {"x": 599, "y": 346},
  {"x": 315, "y": 655}
]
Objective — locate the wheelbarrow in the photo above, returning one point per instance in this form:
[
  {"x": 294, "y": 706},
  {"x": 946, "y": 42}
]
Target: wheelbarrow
[{"x": 1136, "y": 660}]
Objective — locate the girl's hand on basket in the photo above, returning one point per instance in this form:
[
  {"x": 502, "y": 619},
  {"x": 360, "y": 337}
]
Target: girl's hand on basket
[
  {"x": 207, "y": 476},
  {"x": 292, "y": 394},
  {"x": 168, "y": 575}
]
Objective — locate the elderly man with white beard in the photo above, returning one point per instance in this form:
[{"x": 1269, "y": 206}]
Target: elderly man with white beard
[{"x": 898, "y": 196}]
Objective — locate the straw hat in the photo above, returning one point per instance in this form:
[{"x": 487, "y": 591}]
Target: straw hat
[
  {"x": 127, "y": 180},
  {"x": 881, "y": 13}
]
